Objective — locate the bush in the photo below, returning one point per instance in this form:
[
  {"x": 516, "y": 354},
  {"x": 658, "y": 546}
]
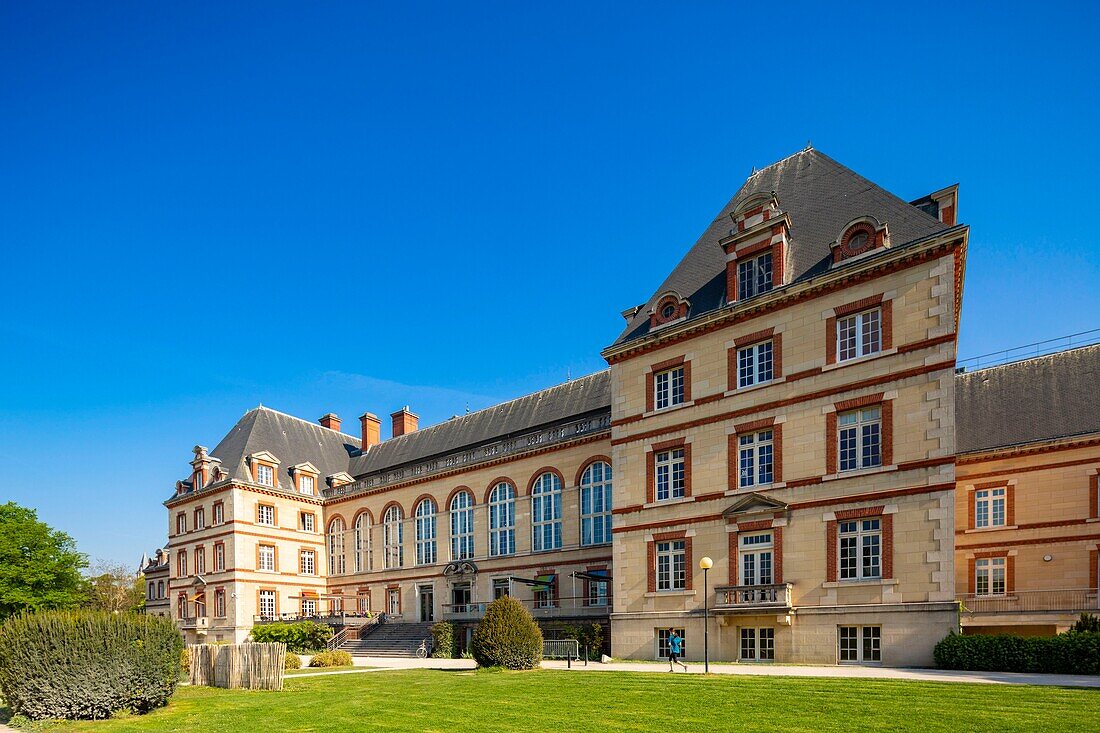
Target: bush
[
  {"x": 507, "y": 637},
  {"x": 1088, "y": 623},
  {"x": 88, "y": 664},
  {"x": 1069, "y": 653},
  {"x": 301, "y": 636},
  {"x": 588, "y": 636},
  {"x": 293, "y": 661},
  {"x": 444, "y": 641},
  {"x": 185, "y": 662},
  {"x": 336, "y": 658}
]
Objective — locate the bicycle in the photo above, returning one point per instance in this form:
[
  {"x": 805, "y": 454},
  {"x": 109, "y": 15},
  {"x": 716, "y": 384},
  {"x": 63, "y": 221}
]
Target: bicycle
[{"x": 422, "y": 650}]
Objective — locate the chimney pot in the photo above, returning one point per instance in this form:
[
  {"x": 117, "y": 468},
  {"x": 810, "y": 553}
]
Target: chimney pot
[
  {"x": 330, "y": 421},
  {"x": 372, "y": 430},
  {"x": 404, "y": 421}
]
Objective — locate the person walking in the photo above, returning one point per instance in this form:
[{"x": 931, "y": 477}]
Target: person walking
[{"x": 675, "y": 649}]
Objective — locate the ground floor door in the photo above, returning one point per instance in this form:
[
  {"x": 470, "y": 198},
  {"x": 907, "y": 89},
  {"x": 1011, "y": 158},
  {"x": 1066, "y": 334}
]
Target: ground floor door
[{"x": 427, "y": 604}]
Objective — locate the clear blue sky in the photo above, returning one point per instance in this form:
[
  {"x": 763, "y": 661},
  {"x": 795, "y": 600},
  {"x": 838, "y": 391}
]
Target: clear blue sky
[{"x": 351, "y": 207}]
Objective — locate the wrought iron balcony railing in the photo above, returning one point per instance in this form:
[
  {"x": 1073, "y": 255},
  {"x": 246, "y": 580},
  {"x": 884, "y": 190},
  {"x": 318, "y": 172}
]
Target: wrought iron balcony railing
[{"x": 1077, "y": 600}]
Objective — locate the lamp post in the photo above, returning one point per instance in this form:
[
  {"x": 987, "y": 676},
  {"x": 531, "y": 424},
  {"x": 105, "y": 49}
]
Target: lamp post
[{"x": 706, "y": 564}]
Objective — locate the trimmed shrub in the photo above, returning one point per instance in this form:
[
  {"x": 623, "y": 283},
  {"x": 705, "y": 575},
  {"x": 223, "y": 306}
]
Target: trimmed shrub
[
  {"x": 1069, "y": 653},
  {"x": 293, "y": 661},
  {"x": 445, "y": 641},
  {"x": 185, "y": 662},
  {"x": 507, "y": 637},
  {"x": 300, "y": 636},
  {"x": 335, "y": 658},
  {"x": 88, "y": 664},
  {"x": 1088, "y": 623}
]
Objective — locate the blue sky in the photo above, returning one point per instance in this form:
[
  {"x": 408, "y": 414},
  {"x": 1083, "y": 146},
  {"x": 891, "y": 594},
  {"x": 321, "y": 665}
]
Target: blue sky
[{"x": 350, "y": 207}]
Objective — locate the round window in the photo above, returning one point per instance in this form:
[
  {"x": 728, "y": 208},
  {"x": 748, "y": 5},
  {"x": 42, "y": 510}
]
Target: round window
[
  {"x": 857, "y": 242},
  {"x": 668, "y": 311}
]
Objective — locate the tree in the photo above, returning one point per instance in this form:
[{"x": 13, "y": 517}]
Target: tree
[
  {"x": 115, "y": 588},
  {"x": 39, "y": 566}
]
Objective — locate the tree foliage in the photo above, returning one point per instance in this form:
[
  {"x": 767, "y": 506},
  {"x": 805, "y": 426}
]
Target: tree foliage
[
  {"x": 300, "y": 636},
  {"x": 39, "y": 566},
  {"x": 114, "y": 587},
  {"x": 507, "y": 637}
]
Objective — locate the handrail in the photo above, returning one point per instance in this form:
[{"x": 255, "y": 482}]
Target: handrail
[
  {"x": 1029, "y": 351},
  {"x": 337, "y": 639},
  {"x": 1024, "y": 601}
]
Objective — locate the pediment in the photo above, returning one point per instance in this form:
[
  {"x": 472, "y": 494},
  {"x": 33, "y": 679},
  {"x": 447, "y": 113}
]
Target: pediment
[
  {"x": 265, "y": 457},
  {"x": 306, "y": 467},
  {"x": 754, "y": 503}
]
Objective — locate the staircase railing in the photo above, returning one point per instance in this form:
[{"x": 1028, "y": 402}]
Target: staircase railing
[{"x": 337, "y": 639}]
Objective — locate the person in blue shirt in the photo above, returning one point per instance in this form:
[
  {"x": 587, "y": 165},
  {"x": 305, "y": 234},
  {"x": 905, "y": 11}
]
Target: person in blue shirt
[{"x": 675, "y": 649}]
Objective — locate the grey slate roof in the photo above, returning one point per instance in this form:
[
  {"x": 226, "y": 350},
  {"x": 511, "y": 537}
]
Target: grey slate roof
[
  {"x": 290, "y": 439},
  {"x": 1048, "y": 397},
  {"x": 821, "y": 196},
  {"x": 591, "y": 394}
]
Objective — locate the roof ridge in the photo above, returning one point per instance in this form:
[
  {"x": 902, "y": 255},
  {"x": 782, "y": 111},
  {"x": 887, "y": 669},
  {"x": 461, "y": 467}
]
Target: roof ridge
[
  {"x": 302, "y": 420},
  {"x": 1017, "y": 362},
  {"x": 807, "y": 149}
]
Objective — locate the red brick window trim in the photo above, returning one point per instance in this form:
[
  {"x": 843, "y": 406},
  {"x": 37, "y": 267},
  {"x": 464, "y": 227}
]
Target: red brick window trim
[
  {"x": 886, "y": 432},
  {"x": 669, "y": 308},
  {"x": 1009, "y": 565},
  {"x": 863, "y": 305},
  {"x": 652, "y": 466},
  {"x": 886, "y": 546},
  {"x": 664, "y": 366},
  {"x": 774, "y": 243},
  {"x": 734, "y": 448},
  {"x": 759, "y": 369},
  {"x": 651, "y": 559},
  {"x": 848, "y": 246},
  {"x": 1094, "y": 497},
  {"x": 986, "y": 498},
  {"x": 1094, "y": 568}
]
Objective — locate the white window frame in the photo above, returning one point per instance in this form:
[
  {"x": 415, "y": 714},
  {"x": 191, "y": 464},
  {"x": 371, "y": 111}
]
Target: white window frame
[
  {"x": 362, "y": 540},
  {"x": 990, "y": 507},
  {"x": 265, "y": 558},
  {"x": 393, "y": 601},
  {"x": 219, "y": 557},
  {"x": 756, "y": 364},
  {"x": 181, "y": 523},
  {"x": 306, "y": 485},
  {"x": 425, "y": 532},
  {"x": 861, "y": 541},
  {"x": 754, "y": 276},
  {"x": 393, "y": 538},
  {"x": 858, "y": 432},
  {"x": 756, "y": 558},
  {"x": 309, "y": 521},
  {"x": 265, "y": 474},
  {"x": 218, "y": 514},
  {"x": 337, "y": 552},
  {"x": 761, "y": 644},
  {"x": 756, "y": 459},
  {"x": 599, "y": 590},
  {"x": 546, "y": 513},
  {"x": 859, "y": 644},
  {"x": 502, "y": 520},
  {"x": 200, "y": 560},
  {"x": 265, "y": 515},
  {"x": 462, "y": 526},
  {"x": 671, "y": 559},
  {"x": 596, "y": 495},
  {"x": 859, "y": 334},
  {"x": 219, "y": 603},
  {"x": 669, "y": 474},
  {"x": 267, "y": 604},
  {"x": 991, "y": 576},
  {"x": 200, "y": 518},
  {"x": 669, "y": 388},
  {"x": 307, "y": 562}
]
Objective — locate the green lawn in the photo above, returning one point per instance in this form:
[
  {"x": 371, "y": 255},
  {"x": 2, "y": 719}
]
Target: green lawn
[{"x": 425, "y": 700}]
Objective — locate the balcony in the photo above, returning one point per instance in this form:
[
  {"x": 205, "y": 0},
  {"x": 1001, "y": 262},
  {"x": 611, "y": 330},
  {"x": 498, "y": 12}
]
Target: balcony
[
  {"x": 743, "y": 598},
  {"x": 1075, "y": 600},
  {"x": 561, "y": 607},
  {"x": 331, "y": 619},
  {"x": 198, "y": 623}
]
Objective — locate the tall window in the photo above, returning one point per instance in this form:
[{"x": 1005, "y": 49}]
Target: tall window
[
  {"x": 309, "y": 522},
  {"x": 267, "y": 603},
  {"x": 219, "y": 513},
  {"x": 393, "y": 535},
  {"x": 755, "y": 364},
  {"x": 219, "y": 557},
  {"x": 152, "y": 590},
  {"x": 200, "y": 560},
  {"x": 859, "y": 335},
  {"x": 756, "y": 459},
  {"x": 668, "y": 470},
  {"x": 305, "y": 484},
  {"x": 265, "y": 514},
  {"x": 266, "y": 558},
  {"x": 425, "y": 532},
  {"x": 200, "y": 518},
  {"x": 859, "y": 438},
  {"x": 462, "y": 526},
  {"x": 597, "y": 589},
  {"x": 265, "y": 475},
  {"x": 219, "y": 603},
  {"x": 758, "y": 644},
  {"x": 989, "y": 507},
  {"x": 181, "y": 523},
  {"x": 989, "y": 576},
  {"x": 307, "y": 562},
  {"x": 502, "y": 520},
  {"x": 181, "y": 606},
  {"x": 754, "y": 276},
  {"x": 337, "y": 559},
  {"x": 362, "y": 543},
  {"x": 596, "y": 504},
  {"x": 668, "y": 388},
  {"x": 160, "y": 589},
  {"x": 859, "y": 644},
  {"x": 181, "y": 563},
  {"x": 756, "y": 558},
  {"x": 546, "y": 513},
  {"x": 671, "y": 567},
  {"x": 860, "y": 549}
]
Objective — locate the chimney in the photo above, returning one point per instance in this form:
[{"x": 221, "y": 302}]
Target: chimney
[
  {"x": 330, "y": 421},
  {"x": 404, "y": 421},
  {"x": 372, "y": 430}
]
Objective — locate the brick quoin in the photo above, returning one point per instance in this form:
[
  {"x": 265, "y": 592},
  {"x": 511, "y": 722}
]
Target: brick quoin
[{"x": 830, "y": 550}]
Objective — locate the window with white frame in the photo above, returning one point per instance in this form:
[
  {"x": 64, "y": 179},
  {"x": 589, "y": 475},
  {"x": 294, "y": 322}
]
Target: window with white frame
[
  {"x": 309, "y": 522},
  {"x": 754, "y": 276},
  {"x": 337, "y": 557},
  {"x": 859, "y": 438},
  {"x": 668, "y": 388},
  {"x": 200, "y": 560},
  {"x": 181, "y": 523},
  {"x": 597, "y": 589},
  {"x": 755, "y": 364},
  {"x": 219, "y": 513},
  {"x": 219, "y": 603},
  {"x": 265, "y": 514},
  {"x": 662, "y": 642},
  {"x": 200, "y": 518},
  {"x": 462, "y": 526},
  {"x": 668, "y": 474},
  {"x": 425, "y": 532},
  {"x": 860, "y": 549},
  {"x": 544, "y": 593},
  {"x": 757, "y": 561},
  {"x": 546, "y": 513},
  {"x": 267, "y": 603},
  {"x": 181, "y": 563},
  {"x": 502, "y": 520},
  {"x": 393, "y": 536},
  {"x": 393, "y": 601},
  {"x": 267, "y": 558},
  {"x": 362, "y": 543},
  {"x": 265, "y": 475},
  {"x": 671, "y": 565},
  {"x": 989, "y": 507},
  {"x": 219, "y": 558},
  {"x": 307, "y": 562},
  {"x": 859, "y": 334},
  {"x": 306, "y": 484},
  {"x": 757, "y": 644},
  {"x": 859, "y": 644},
  {"x": 596, "y": 504},
  {"x": 756, "y": 459},
  {"x": 990, "y": 576}
]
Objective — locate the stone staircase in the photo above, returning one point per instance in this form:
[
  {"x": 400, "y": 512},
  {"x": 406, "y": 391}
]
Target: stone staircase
[{"x": 393, "y": 639}]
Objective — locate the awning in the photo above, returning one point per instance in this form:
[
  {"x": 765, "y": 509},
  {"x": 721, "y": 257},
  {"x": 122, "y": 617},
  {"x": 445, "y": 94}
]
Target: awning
[
  {"x": 309, "y": 594},
  {"x": 540, "y": 582},
  {"x": 598, "y": 576},
  {"x": 200, "y": 596}
]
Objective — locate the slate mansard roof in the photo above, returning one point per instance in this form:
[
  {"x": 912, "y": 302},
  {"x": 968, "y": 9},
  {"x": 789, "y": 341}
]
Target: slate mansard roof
[
  {"x": 1045, "y": 398},
  {"x": 821, "y": 196}
]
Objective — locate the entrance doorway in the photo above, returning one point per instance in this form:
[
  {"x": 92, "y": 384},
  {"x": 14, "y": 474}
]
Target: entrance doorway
[
  {"x": 460, "y": 598},
  {"x": 427, "y": 603}
]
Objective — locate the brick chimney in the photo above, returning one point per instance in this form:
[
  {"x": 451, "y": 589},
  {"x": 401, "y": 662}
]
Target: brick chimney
[
  {"x": 330, "y": 421},
  {"x": 404, "y": 421},
  {"x": 372, "y": 430}
]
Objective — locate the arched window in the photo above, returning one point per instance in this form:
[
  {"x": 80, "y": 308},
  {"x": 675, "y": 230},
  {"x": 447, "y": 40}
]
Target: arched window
[
  {"x": 393, "y": 535},
  {"x": 462, "y": 526},
  {"x": 362, "y": 543},
  {"x": 502, "y": 520},
  {"x": 596, "y": 504},
  {"x": 337, "y": 560},
  {"x": 546, "y": 513},
  {"x": 425, "y": 532}
]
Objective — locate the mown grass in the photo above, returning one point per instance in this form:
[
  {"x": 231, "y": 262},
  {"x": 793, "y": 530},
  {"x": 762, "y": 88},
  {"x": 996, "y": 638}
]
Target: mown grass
[{"x": 428, "y": 700}]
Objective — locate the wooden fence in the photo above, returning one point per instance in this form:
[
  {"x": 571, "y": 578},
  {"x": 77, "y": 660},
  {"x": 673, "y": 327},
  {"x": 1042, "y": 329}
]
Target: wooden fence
[{"x": 248, "y": 666}]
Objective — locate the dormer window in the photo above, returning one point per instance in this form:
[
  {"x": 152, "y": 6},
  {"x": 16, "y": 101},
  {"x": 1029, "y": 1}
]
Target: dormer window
[
  {"x": 668, "y": 308},
  {"x": 306, "y": 484},
  {"x": 668, "y": 311},
  {"x": 860, "y": 236},
  {"x": 265, "y": 475},
  {"x": 754, "y": 276},
  {"x": 305, "y": 478}
]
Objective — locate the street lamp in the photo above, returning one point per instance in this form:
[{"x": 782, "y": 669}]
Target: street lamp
[{"x": 706, "y": 564}]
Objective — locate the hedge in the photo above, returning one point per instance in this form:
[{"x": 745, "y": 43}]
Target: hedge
[
  {"x": 334, "y": 658},
  {"x": 301, "y": 636},
  {"x": 1069, "y": 653},
  {"x": 444, "y": 640},
  {"x": 507, "y": 637},
  {"x": 88, "y": 664},
  {"x": 292, "y": 661}
]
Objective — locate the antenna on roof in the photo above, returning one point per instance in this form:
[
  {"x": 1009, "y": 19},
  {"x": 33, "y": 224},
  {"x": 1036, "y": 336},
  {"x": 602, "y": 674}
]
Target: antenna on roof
[
  {"x": 753, "y": 171},
  {"x": 467, "y": 407},
  {"x": 568, "y": 375},
  {"x": 809, "y": 145}
]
